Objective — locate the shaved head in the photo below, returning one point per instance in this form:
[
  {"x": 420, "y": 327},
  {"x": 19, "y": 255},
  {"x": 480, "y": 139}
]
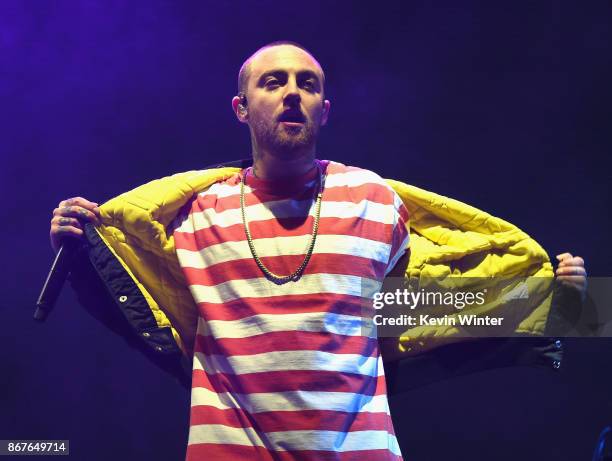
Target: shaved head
[{"x": 245, "y": 69}]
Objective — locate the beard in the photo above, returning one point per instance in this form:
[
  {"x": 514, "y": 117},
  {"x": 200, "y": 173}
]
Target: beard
[{"x": 284, "y": 141}]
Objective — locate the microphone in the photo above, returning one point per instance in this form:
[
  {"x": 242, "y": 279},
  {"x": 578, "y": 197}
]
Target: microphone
[{"x": 55, "y": 279}]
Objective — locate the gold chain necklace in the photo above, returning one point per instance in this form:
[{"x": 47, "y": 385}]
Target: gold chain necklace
[{"x": 280, "y": 279}]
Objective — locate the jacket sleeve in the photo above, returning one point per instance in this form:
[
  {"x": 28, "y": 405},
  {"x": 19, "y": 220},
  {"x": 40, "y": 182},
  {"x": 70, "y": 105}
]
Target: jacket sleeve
[
  {"x": 449, "y": 361},
  {"x": 90, "y": 281},
  {"x": 565, "y": 310}
]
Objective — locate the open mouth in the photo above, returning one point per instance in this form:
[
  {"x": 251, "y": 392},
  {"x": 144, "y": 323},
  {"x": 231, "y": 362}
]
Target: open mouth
[{"x": 292, "y": 118}]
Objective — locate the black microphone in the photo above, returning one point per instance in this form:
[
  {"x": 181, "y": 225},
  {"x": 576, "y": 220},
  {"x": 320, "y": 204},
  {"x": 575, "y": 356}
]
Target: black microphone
[{"x": 55, "y": 279}]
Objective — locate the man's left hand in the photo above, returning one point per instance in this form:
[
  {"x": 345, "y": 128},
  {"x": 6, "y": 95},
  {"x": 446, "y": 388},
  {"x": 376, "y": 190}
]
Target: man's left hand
[{"x": 571, "y": 272}]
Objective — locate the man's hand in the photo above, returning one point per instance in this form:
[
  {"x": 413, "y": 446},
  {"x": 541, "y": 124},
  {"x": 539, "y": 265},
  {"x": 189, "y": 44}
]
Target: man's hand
[
  {"x": 571, "y": 273},
  {"x": 69, "y": 218}
]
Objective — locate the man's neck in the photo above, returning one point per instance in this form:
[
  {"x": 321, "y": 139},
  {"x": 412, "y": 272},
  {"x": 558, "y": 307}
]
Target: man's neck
[{"x": 268, "y": 166}]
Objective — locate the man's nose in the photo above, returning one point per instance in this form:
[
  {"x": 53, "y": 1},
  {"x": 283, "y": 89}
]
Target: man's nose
[{"x": 292, "y": 94}]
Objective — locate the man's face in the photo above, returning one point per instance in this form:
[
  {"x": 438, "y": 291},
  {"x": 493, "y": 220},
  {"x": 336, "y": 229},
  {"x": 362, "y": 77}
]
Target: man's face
[{"x": 285, "y": 100}]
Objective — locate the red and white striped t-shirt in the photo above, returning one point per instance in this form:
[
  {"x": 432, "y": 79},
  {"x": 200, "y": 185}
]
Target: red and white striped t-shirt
[{"x": 285, "y": 372}]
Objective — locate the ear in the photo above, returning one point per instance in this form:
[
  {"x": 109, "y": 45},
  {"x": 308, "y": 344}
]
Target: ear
[
  {"x": 240, "y": 111},
  {"x": 325, "y": 114}
]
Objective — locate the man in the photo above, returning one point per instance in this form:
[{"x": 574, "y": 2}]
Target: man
[{"x": 274, "y": 257}]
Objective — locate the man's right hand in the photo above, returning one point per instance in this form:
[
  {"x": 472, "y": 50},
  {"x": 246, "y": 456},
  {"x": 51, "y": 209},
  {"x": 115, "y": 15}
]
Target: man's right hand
[{"x": 69, "y": 218}]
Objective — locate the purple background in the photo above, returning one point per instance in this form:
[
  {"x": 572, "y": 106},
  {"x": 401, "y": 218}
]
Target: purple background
[{"x": 506, "y": 106}]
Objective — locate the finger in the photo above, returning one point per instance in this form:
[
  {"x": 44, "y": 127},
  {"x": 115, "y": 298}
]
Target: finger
[
  {"x": 576, "y": 261},
  {"x": 572, "y": 278},
  {"x": 66, "y": 221},
  {"x": 578, "y": 283},
  {"x": 573, "y": 281},
  {"x": 77, "y": 212},
  {"x": 572, "y": 270},
  {"x": 563, "y": 256},
  {"x": 582, "y": 275},
  {"x": 68, "y": 231},
  {"x": 79, "y": 201}
]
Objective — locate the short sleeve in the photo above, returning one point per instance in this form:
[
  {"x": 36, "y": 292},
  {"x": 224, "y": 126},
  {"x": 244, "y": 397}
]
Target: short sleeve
[{"x": 400, "y": 237}]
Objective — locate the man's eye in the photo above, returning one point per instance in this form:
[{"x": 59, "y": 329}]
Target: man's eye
[
  {"x": 308, "y": 84},
  {"x": 272, "y": 82}
]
